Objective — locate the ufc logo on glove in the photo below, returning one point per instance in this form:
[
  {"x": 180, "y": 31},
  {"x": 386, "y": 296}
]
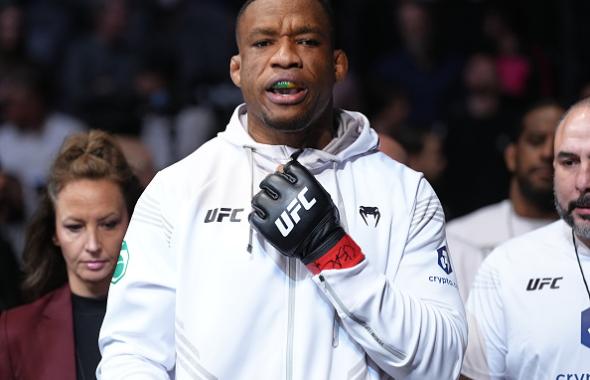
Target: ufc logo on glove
[
  {"x": 315, "y": 237},
  {"x": 286, "y": 222}
]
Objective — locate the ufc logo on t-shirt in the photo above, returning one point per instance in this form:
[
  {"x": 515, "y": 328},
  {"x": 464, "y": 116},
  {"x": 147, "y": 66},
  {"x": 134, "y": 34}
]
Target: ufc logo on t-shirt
[
  {"x": 286, "y": 222},
  {"x": 539, "y": 283}
]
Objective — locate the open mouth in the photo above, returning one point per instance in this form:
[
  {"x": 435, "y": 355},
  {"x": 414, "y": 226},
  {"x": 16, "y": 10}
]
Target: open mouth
[
  {"x": 285, "y": 87},
  {"x": 286, "y": 92}
]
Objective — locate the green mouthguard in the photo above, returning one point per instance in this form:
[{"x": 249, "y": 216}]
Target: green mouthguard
[{"x": 284, "y": 85}]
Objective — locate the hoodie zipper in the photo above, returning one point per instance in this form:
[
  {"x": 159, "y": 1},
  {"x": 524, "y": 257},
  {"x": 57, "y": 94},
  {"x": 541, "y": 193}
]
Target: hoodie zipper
[
  {"x": 335, "y": 331},
  {"x": 291, "y": 269},
  {"x": 392, "y": 350}
]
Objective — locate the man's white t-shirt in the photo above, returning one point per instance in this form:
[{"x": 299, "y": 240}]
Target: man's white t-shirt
[
  {"x": 524, "y": 310},
  {"x": 472, "y": 237}
]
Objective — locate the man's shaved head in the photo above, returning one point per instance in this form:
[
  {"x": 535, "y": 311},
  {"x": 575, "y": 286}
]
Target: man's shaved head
[{"x": 584, "y": 103}]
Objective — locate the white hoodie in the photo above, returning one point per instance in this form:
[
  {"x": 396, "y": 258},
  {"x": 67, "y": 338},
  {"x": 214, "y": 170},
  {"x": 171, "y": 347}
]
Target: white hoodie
[{"x": 200, "y": 295}]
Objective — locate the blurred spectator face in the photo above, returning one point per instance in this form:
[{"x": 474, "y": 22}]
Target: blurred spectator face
[
  {"x": 22, "y": 106},
  {"x": 149, "y": 82},
  {"x": 10, "y": 28},
  {"x": 431, "y": 159},
  {"x": 480, "y": 74},
  {"x": 113, "y": 19},
  {"x": 90, "y": 222},
  {"x": 530, "y": 159},
  {"x": 494, "y": 25},
  {"x": 415, "y": 28}
]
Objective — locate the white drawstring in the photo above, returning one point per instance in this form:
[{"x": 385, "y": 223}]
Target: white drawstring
[
  {"x": 251, "y": 162},
  {"x": 340, "y": 200}
]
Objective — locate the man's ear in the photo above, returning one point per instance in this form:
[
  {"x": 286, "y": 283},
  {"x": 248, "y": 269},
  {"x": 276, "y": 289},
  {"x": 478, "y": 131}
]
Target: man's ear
[
  {"x": 510, "y": 157},
  {"x": 340, "y": 65},
  {"x": 234, "y": 69}
]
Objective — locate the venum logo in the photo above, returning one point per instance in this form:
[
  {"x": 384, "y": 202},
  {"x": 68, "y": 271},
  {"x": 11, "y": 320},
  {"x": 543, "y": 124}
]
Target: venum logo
[
  {"x": 217, "y": 215},
  {"x": 540, "y": 283},
  {"x": 443, "y": 259},
  {"x": 366, "y": 211},
  {"x": 290, "y": 217}
]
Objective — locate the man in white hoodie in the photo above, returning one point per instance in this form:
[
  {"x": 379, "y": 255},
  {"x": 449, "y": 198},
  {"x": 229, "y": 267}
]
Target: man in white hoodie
[{"x": 342, "y": 270}]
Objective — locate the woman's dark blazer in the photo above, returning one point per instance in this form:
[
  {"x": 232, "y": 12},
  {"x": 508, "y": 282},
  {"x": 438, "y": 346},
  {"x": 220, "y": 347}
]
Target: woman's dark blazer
[{"x": 37, "y": 339}]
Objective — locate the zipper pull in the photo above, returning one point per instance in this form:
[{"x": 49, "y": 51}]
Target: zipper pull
[{"x": 335, "y": 331}]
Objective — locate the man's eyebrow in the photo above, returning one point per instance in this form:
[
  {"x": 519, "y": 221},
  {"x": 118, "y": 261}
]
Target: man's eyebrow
[
  {"x": 566, "y": 155},
  {"x": 308, "y": 30},
  {"x": 296, "y": 32},
  {"x": 262, "y": 31}
]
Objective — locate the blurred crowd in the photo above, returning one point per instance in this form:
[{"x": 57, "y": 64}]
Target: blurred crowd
[{"x": 443, "y": 83}]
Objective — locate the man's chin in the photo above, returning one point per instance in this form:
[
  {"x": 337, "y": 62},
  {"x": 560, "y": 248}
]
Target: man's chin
[
  {"x": 579, "y": 223},
  {"x": 582, "y": 229},
  {"x": 291, "y": 124},
  {"x": 539, "y": 184}
]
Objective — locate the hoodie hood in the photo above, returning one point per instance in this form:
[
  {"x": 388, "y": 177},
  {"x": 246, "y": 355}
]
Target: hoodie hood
[{"x": 354, "y": 138}]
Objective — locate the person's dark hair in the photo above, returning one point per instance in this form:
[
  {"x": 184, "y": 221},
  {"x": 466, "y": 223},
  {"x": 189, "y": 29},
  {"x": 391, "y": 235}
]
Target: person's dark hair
[
  {"x": 542, "y": 103},
  {"x": 91, "y": 155},
  {"x": 326, "y": 5}
]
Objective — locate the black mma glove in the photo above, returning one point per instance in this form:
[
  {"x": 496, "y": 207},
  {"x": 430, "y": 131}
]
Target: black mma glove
[{"x": 296, "y": 215}]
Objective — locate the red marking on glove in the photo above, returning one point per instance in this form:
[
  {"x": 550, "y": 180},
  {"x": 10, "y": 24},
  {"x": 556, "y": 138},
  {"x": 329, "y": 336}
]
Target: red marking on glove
[{"x": 345, "y": 254}]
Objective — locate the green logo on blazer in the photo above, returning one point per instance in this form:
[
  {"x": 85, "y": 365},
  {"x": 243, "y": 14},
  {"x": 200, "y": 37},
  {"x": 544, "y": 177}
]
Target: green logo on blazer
[{"x": 122, "y": 263}]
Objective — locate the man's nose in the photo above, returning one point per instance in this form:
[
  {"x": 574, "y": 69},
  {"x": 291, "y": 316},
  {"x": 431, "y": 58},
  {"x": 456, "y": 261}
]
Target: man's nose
[
  {"x": 583, "y": 177},
  {"x": 286, "y": 56}
]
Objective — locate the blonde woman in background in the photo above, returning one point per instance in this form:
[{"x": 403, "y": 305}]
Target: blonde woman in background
[{"x": 71, "y": 251}]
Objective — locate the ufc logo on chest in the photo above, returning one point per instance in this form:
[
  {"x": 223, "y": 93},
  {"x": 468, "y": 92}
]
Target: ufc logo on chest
[{"x": 290, "y": 217}]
